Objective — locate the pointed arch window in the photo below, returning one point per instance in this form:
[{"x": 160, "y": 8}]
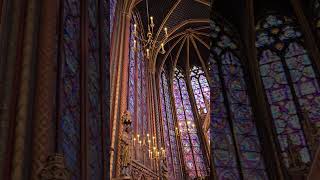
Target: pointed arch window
[
  {"x": 137, "y": 94},
  {"x": 169, "y": 131},
  {"x": 200, "y": 88},
  {"x": 194, "y": 158},
  {"x": 201, "y": 92},
  {"x": 235, "y": 145},
  {"x": 290, "y": 83}
]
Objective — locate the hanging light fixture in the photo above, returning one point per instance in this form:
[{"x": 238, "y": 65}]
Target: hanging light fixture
[{"x": 148, "y": 42}]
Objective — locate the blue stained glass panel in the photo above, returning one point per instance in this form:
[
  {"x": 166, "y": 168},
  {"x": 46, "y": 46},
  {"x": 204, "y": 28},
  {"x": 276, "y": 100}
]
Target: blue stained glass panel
[
  {"x": 290, "y": 82},
  {"x": 235, "y": 145},
  {"x": 192, "y": 153},
  {"x": 70, "y": 118}
]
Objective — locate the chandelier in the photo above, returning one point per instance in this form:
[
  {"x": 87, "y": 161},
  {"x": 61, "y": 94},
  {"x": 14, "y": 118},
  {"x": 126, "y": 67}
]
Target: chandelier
[
  {"x": 148, "y": 42},
  {"x": 154, "y": 152}
]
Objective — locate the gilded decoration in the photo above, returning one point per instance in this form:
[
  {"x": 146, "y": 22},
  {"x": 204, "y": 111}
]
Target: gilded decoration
[
  {"x": 125, "y": 144},
  {"x": 141, "y": 172}
]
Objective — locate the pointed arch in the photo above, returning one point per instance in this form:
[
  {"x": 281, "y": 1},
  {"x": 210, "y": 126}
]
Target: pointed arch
[
  {"x": 236, "y": 148},
  {"x": 291, "y": 86},
  {"x": 169, "y": 130},
  {"x": 194, "y": 158},
  {"x": 200, "y": 88}
]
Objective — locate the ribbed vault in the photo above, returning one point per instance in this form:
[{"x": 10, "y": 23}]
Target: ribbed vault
[{"x": 188, "y": 28}]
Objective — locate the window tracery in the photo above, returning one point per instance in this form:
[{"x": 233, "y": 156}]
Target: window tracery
[
  {"x": 169, "y": 130},
  {"x": 194, "y": 158},
  {"x": 291, "y": 85},
  {"x": 201, "y": 92},
  {"x": 200, "y": 88},
  {"x": 235, "y": 145}
]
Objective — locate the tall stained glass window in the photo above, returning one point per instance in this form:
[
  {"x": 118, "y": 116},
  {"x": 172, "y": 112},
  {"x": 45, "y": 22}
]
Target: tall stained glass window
[
  {"x": 70, "y": 92},
  {"x": 290, "y": 82},
  {"x": 94, "y": 144},
  {"x": 132, "y": 70},
  {"x": 169, "y": 133},
  {"x": 137, "y": 95},
  {"x": 192, "y": 152},
  {"x": 201, "y": 91},
  {"x": 235, "y": 143}
]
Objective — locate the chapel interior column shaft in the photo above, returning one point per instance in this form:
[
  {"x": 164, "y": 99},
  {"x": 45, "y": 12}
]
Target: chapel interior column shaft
[
  {"x": 120, "y": 82},
  {"x": 44, "y": 124}
]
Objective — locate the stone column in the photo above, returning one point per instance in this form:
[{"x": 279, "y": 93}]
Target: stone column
[
  {"x": 44, "y": 122},
  {"x": 119, "y": 82},
  {"x": 11, "y": 57},
  {"x": 24, "y": 110}
]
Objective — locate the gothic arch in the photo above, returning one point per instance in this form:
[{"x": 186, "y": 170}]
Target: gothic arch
[
  {"x": 292, "y": 89},
  {"x": 231, "y": 109}
]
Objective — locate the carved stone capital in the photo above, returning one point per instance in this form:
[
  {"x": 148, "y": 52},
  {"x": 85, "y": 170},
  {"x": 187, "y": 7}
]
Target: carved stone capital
[{"x": 54, "y": 169}]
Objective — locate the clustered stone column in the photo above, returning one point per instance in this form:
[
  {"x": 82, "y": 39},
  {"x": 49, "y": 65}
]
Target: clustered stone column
[
  {"x": 119, "y": 82},
  {"x": 44, "y": 123}
]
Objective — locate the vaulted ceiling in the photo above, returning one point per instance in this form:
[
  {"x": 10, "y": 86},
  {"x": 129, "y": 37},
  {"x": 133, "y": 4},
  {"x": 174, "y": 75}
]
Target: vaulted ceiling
[{"x": 188, "y": 28}]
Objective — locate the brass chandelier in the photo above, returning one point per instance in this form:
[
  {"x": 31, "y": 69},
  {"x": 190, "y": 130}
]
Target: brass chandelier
[{"x": 148, "y": 42}]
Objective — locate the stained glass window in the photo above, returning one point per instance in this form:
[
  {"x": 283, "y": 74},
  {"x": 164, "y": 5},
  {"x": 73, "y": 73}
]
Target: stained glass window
[
  {"x": 132, "y": 70},
  {"x": 201, "y": 92},
  {"x": 200, "y": 88},
  {"x": 138, "y": 96},
  {"x": 113, "y": 4},
  {"x": 193, "y": 156},
  {"x": 290, "y": 83},
  {"x": 70, "y": 115},
  {"x": 235, "y": 143},
  {"x": 169, "y": 132},
  {"x": 94, "y": 152}
]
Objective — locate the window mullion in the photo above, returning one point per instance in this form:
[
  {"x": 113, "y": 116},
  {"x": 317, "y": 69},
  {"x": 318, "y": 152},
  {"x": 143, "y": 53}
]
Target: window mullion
[
  {"x": 185, "y": 116},
  {"x": 227, "y": 105}
]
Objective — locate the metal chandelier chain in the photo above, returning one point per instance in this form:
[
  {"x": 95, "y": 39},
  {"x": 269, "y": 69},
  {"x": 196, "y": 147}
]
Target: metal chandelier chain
[{"x": 149, "y": 44}]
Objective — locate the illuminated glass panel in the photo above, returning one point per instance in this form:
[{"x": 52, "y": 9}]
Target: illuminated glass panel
[
  {"x": 201, "y": 92},
  {"x": 131, "y": 83},
  {"x": 200, "y": 88},
  {"x": 192, "y": 152},
  {"x": 94, "y": 145},
  {"x": 69, "y": 133},
  {"x": 169, "y": 132},
  {"x": 138, "y": 96},
  {"x": 113, "y": 4},
  {"x": 235, "y": 142},
  {"x": 290, "y": 83}
]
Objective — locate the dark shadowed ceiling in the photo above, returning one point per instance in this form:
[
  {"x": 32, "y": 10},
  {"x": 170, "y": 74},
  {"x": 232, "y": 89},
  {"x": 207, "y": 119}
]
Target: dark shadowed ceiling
[{"x": 188, "y": 28}]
